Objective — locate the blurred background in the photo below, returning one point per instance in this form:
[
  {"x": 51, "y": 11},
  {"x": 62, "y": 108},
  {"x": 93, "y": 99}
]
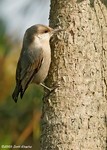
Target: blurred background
[{"x": 19, "y": 122}]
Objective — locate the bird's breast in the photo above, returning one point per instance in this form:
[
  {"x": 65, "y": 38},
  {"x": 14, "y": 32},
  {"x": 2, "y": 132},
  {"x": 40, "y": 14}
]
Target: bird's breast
[{"x": 42, "y": 73}]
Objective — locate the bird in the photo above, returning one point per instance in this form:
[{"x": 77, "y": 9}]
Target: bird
[{"x": 34, "y": 60}]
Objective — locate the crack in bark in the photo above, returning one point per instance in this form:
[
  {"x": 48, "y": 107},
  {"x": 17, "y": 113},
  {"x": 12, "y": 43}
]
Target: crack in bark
[{"x": 72, "y": 34}]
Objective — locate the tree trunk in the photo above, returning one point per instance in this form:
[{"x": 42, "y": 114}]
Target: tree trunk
[{"x": 74, "y": 115}]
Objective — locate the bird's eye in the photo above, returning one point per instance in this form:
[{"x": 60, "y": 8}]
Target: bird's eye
[{"x": 46, "y": 31}]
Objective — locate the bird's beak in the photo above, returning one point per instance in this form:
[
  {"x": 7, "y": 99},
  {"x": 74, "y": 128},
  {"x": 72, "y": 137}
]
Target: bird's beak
[{"x": 56, "y": 31}]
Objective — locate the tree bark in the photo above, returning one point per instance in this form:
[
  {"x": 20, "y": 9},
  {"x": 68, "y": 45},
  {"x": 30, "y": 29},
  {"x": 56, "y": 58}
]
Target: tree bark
[{"x": 74, "y": 116}]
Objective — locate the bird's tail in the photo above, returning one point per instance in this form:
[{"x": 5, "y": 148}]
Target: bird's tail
[
  {"x": 18, "y": 90},
  {"x": 15, "y": 94}
]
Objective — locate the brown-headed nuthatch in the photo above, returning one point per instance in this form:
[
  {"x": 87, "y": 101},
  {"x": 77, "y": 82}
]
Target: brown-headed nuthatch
[{"x": 35, "y": 58}]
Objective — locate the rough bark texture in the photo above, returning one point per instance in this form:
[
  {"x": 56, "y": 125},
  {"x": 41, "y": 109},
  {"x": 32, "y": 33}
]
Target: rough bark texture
[{"x": 74, "y": 116}]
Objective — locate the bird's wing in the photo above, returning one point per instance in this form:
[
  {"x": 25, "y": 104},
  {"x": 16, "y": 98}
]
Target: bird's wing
[{"x": 28, "y": 65}]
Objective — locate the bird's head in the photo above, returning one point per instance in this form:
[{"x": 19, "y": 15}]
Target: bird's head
[
  {"x": 38, "y": 34},
  {"x": 40, "y": 31}
]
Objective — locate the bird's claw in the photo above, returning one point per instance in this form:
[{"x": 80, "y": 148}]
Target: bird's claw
[{"x": 51, "y": 90}]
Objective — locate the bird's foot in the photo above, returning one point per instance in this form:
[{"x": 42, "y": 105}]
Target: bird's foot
[{"x": 50, "y": 90}]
